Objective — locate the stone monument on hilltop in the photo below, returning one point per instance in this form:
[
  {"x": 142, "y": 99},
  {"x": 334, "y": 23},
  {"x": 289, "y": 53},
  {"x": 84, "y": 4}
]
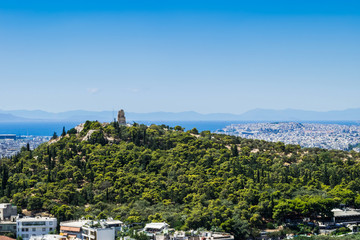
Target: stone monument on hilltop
[{"x": 121, "y": 117}]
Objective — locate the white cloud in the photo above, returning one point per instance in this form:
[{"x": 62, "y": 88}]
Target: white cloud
[
  {"x": 135, "y": 90},
  {"x": 93, "y": 90}
]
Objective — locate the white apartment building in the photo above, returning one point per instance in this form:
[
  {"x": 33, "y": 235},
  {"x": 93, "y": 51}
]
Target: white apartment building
[
  {"x": 116, "y": 224},
  {"x": 98, "y": 231},
  {"x": 34, "y": 226}
]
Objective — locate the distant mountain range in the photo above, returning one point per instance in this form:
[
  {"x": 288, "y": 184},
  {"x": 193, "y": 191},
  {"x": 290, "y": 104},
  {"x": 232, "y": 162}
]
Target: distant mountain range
[
  {"x": 6, "y": 117},
  {"x": 252, "y": 115}
]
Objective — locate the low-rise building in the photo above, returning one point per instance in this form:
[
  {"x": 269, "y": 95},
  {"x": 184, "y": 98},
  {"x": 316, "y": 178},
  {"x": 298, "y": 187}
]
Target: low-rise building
[
  {"x": 34, "y": 226},
  {"x": 347, "y": 215},
  {"x": 218, "y": 236},
  {"x": 156, "y": 227},
  {"x": 7, "y": 227},
  {"x": 195, "y": 235},
  {"x": 116, "y": 224},
  {"x": 7, "y": 211},
  {"x": 157, "y": 230},
  {"x": 97, "y": 230},
  {"x": 74, "y": 229},
  {"x": 8, "y": 214}
]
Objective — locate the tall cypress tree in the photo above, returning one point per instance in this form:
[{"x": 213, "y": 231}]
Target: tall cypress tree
[
  {"x": 234, "y": 151},
  {"x": 63, "y": 132},
  {"x": 5, "y": 177}
]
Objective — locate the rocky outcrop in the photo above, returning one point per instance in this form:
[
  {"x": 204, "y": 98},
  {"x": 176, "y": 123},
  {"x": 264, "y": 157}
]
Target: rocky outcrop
[
  {"x": 88, "y": 135},
  {"x": 79, "y": 127}
]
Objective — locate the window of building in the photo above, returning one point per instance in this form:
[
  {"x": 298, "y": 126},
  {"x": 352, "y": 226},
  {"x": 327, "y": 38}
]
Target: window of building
[
  {"x": 34, "y": 229},
  {"x": 37, "y": 223},
  {"x": 43, "y": 229}
]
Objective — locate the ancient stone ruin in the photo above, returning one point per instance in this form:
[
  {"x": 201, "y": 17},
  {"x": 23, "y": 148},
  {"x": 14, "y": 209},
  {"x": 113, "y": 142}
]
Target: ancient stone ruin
[{"x": 121, "y": 117}]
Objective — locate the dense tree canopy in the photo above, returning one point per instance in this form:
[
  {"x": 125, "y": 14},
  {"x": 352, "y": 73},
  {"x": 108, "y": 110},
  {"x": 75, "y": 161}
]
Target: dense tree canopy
[{"x": 189, "y": 179}]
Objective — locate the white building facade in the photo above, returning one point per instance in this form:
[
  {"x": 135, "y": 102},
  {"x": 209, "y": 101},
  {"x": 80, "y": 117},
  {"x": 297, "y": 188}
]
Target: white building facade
[
  {"x": 98, "y": 233},
  {"x": 34, "y": 226}
]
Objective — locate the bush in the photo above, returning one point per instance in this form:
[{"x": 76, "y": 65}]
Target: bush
[
  {"x": 72, "y": 131},
  {"x": 270, "y": 225},
  {"x": 34, "y": 203},
  {"x": 341, "y": 231}
]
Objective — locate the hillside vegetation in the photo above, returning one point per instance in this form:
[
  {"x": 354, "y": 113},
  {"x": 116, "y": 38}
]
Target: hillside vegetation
[{"x": 190, "y": 180}]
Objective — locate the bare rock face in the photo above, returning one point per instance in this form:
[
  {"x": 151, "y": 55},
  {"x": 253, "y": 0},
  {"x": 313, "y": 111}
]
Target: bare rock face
[
  {"x": 79, "y": 127},
  {"x": 88, "y": 135},
  {"x": 121, "y": 117}
]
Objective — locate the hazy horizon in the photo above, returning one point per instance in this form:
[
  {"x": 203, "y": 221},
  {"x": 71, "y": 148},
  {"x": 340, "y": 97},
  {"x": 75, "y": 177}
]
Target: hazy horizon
[{"x": 115, "y": 110}]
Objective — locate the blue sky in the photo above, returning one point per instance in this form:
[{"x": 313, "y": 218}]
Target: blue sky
[{"x": 205, "y": 56}]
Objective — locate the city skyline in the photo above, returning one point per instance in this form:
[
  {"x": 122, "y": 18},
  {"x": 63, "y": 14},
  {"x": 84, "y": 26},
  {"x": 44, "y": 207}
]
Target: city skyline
[{"x": 180, "y": 56}]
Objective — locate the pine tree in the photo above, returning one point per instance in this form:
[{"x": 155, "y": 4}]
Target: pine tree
[
  {"x": 55, "y": 136},
  {"x": 234, "y": 151}
]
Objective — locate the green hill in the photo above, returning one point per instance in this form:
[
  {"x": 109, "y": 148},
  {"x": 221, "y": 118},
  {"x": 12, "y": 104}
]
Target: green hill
[{"x": 190, "y": 180}]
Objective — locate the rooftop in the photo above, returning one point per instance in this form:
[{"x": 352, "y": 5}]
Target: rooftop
[
  {"x": 75, "y": 223},
  {"x": 48, "y": 237},
  {"x": 113, "y": 221},
  {"x": 4, "y": 222},
  {"x": 347, "y": 212},
  {"x": 157, "y": 225},
  {"x": 31, "y": 219},
  {"x": 81, "y": 223},
  {"x": 5, "y": 205},
  {"x": 6, "y": 238}
]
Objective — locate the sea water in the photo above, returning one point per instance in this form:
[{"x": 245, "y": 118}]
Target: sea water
[{"x": 48, "y": 128}]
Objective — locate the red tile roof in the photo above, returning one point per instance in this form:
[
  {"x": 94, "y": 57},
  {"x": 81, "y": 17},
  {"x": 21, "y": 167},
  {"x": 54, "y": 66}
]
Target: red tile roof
[{"x": 6, "y": 238}]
